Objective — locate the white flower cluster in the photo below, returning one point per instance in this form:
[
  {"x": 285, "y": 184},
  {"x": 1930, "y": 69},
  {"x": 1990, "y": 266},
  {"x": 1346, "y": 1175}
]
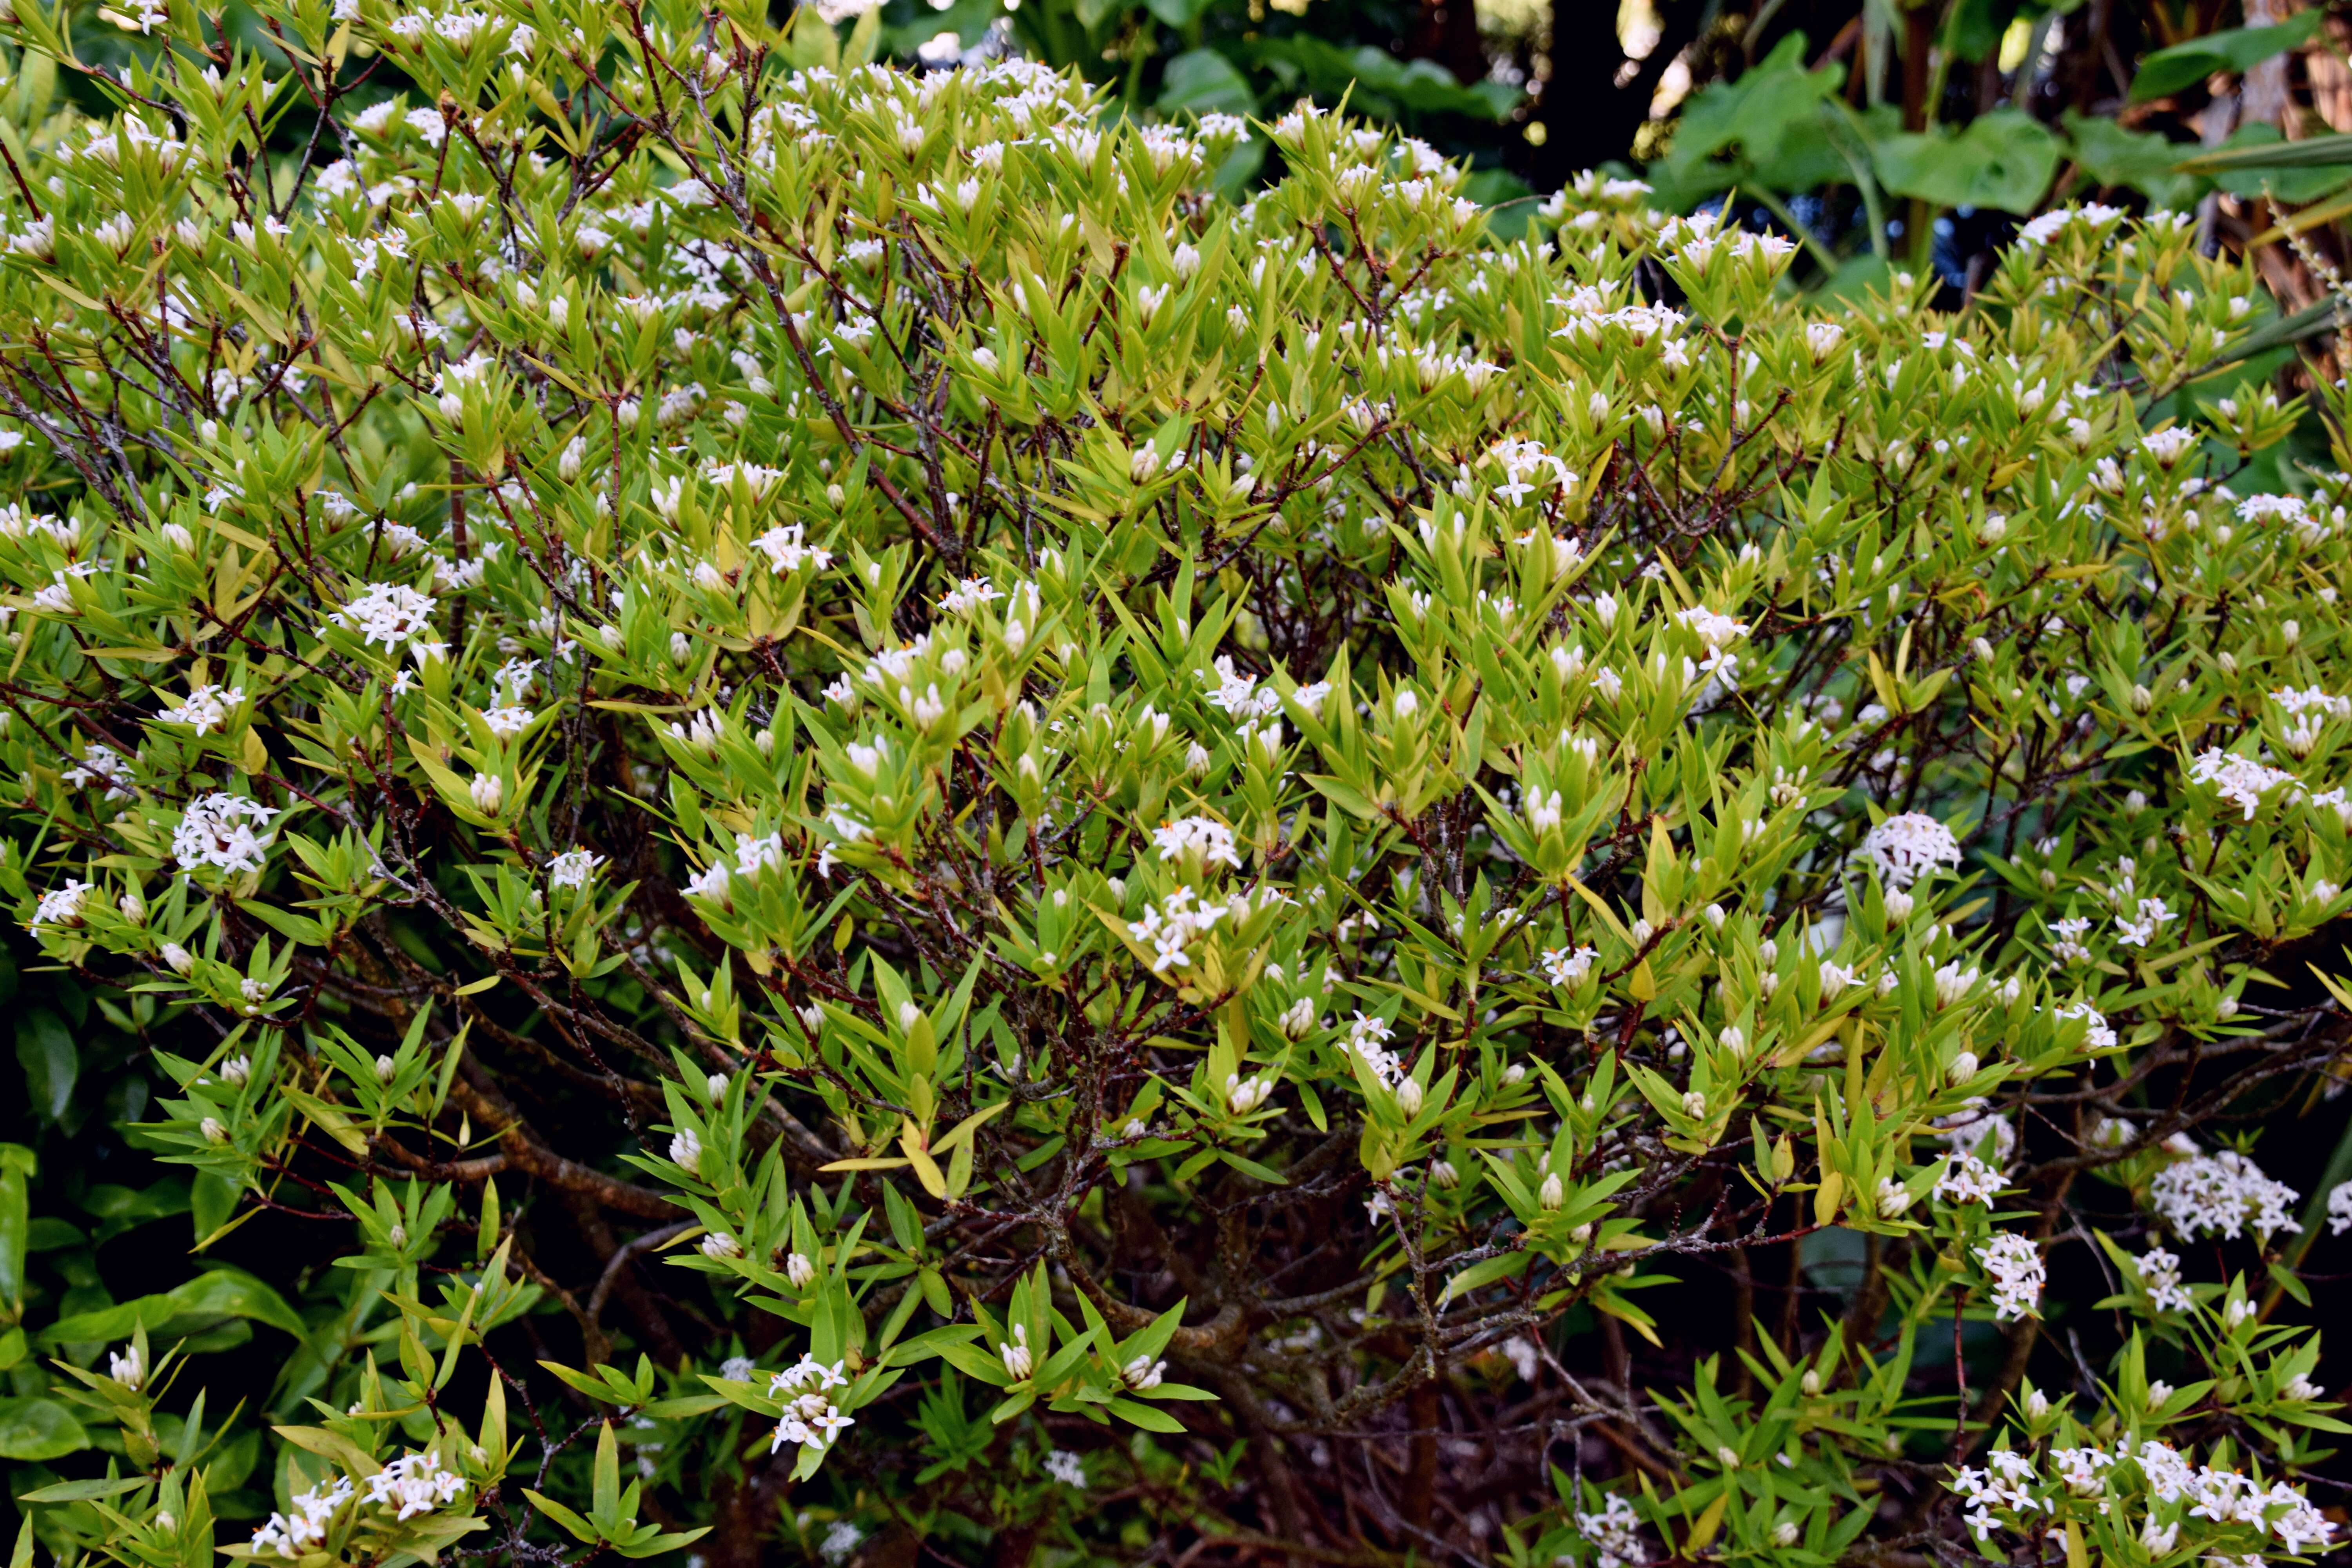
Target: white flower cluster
[
  {"x": 1237, "y": 694},
  {"x": 1065, "y": 1467},
  {"x": 811, "y": 1419},
  {"x": 787, "y": 549},
  {"x": 1212, "y": 841},
  {"x": 2151, "y": 1478},
  {"x": 204, "y": 709},
  {"x": 61, "y": 905},
  {"x": 572, "y": 869},
  {"x": 300, "y": 1531},
  {"x": 2339, "y": 1208},
  {"x": 217, "y": 830},
  {"x": 414, "y": 1484},
  {"x": 2222, "y": 1194},
  {"x": 1615, "y": 1532},
  {"x": 2015, "y": 1267},
  {"x": 2160, "y": 1276},
  {"x": 1523, "y": 462},
  {"x": 1176, "y": 923},
  {"x": 100, "y": 766},
  {"x": 1969, "y": 1180},
  {"x": 387, "y": 613},
  {"x": 1909, "y": 847},
  {"x": 2042, "y": 230},
  {"x": 2098, "y": 1034},
  {"x": 2241, "y": 781},
  {"x": 1566, "y": 967},
  {"x": 1718, "y": 631},
  {"x": 1368, "y": 1037}
]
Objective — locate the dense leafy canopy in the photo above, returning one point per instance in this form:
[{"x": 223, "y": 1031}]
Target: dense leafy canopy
[{"x": 816, "y": 772}]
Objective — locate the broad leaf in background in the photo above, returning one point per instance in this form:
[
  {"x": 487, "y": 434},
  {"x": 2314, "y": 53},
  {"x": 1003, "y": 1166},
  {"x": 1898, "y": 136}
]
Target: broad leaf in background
[
  {"x": 2185, "y": 65},
  {"x": 1376, "y": 82},
  {"x": 2004, "y": 159},
  {"x": 1766, "y": 128},
  {"x": 2111, "y": 155},
  {"x": 1202, "y": 81}
]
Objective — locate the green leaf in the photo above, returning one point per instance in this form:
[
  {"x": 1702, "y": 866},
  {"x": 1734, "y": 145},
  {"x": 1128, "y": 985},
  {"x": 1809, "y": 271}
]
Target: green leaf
[
  {"x": 2331, "y": 151},
  {"x": 222, "y": 1292},
  {"x": 85, "y": 1491},
  {"x": 35, "y": 1430},
  {"x": 51, "y": 1061},
  {"x": 576, "y": 1527},
  {"x": 2185, "y": 65},
  {"x": 1202, "y": 81},
  {"x": 1251, "y": 1168},
  {"x": 1766, "y": 128},
  {"x": 1152, "y": 1419},
  {"x": 2142, "y": 161},
  {"x": 16, "y": 1168},
  {"x": 2003, "y": 160}
]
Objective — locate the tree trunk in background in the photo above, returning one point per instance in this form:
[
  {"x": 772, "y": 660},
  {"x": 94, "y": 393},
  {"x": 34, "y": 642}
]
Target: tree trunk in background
[
  {"x": 1919, "y": 39},
  {"x": 2264, "y": 100},
  {"x": 1446, "y": 31},
  {"x": 2331, "y": 80},
  {"x": 1587, "y": 118}
]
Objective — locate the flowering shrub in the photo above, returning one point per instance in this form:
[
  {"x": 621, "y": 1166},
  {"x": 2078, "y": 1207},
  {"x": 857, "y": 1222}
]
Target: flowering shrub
[{"x": 806, "y": 771}]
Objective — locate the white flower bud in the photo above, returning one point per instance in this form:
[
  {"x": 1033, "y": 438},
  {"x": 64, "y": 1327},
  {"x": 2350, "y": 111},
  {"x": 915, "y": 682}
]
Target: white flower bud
[
  {"x": 177, "y": 958},
  {"x": 1409, "y": 1096},
  {"x": 1551, "y": 1194},
  {"x": 214, "y": 1132},
  {"x": 489, "y": 793},
  {"x": 1963, "y": 1068},
  {"x": 385, "y": 1067}
]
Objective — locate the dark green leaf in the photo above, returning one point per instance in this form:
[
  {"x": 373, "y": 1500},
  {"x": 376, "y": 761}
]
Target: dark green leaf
[
  {"x": 38, "y": 1429},
  {"x": 2003, "y": 160},
  {"x": 46, "y": 1047},
  {"x": 1202, "y": 81},
  {"x": 2185, "y": 65}
]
